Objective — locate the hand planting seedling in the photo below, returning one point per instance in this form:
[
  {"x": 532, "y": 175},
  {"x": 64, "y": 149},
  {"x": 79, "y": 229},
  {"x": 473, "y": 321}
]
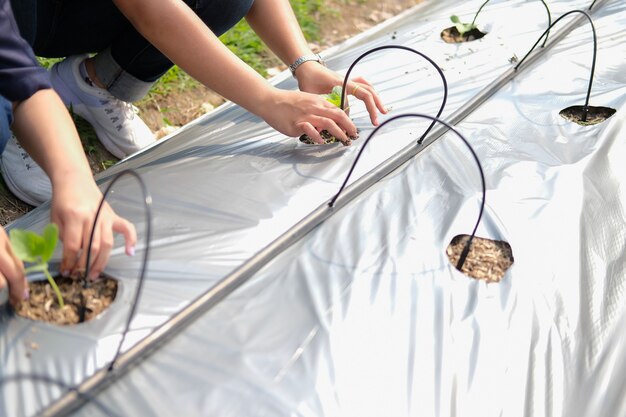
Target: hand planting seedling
[
  {"x": 333, "y": 97},
  {"x": 37, "y": 249}
]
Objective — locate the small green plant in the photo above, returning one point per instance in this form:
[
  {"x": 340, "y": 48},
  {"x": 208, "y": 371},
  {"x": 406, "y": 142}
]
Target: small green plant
[
  {"x": 37, "y": 249},
  {"x": 461, "y": 27},
  {"x": 467, "y": 27},
  {"x": 334, "y": 96}
]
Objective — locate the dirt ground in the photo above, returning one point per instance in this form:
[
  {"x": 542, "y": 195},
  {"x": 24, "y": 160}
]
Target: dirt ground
[{"x": 179, "y": 108}]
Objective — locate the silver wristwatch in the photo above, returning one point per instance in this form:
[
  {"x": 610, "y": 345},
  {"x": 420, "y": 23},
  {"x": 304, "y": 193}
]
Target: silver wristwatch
[{"x": 302, "y": 60}]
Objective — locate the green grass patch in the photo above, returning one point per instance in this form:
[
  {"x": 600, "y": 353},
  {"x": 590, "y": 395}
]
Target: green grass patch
[{"x": 244, "y": 43}]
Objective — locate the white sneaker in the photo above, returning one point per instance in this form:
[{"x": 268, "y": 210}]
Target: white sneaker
[
  {"x": 117, "y": 125},
  {"x": 26, "y": 180}
]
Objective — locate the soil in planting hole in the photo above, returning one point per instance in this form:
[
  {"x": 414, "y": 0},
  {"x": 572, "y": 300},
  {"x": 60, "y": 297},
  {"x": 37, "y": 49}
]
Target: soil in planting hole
[
  {"x": 487, "y": 260},
  {"x": 452, "y": 35},
  {"x": 328, "y": 138},
  {"x": 42, "y": 304},
  {"x": 595, "y": 115}
]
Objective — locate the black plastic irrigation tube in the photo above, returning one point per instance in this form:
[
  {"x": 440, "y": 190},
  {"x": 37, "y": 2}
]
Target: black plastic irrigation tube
[
  {"x": 544, "y": 5},
  {"x": 79, "y": 392},
  {"x": 405, "y": 48},
  {"x": 593, "y": 59},
  {"x": 127, "y": 360},
  {"x": 147, "y": 203},
  {"x": 468, "y": 244}
]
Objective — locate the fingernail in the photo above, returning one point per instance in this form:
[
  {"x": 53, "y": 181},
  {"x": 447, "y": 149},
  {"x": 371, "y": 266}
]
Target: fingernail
[
  {"x": 93, "y": 276},
  {"x": 130, "y": 251},
  {"x": 26, "y": 294},
  {"x": 65, "y": 273}
]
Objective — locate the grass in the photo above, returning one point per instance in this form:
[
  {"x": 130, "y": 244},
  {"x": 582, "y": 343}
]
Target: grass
[{"x": 247, "y": 45}]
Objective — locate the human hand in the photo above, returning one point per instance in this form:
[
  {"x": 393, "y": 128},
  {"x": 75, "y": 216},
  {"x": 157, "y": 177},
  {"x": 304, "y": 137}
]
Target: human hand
[
  {"x": 315, "y": 78},
  {"x": 294, "y": 113},
  {"x": 74, "y": 214},
  {"x": 12, "y": 271}
]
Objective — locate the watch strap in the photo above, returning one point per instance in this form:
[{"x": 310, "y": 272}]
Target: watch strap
[{"x": 302, "y": 60}]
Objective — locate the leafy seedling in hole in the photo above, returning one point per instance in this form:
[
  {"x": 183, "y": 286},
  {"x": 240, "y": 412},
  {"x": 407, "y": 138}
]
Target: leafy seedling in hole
[
  {"x": 461, "y": 27},
  {"x": 37, "y": 250},
  {"x": 333, "y": 97},
  {"x": 464, "y": 28}
]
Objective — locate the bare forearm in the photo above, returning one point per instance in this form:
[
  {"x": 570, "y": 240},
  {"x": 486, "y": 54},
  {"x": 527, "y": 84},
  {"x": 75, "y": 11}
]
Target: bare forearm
[
  {"x": 177, "y": 32},
  {"x": 47, "y": 132},
  {"x": 276, "y": 24}
]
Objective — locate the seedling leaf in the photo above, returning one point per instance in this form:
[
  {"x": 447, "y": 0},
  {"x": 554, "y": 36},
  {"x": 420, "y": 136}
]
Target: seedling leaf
[
  {"x": 461, "y": 27},
  {"x": 50, "y": 238},
  {"x": 27, "y": 245},
  {"x": 334, "y": 96},
  {"x": 38, "y": 249}
]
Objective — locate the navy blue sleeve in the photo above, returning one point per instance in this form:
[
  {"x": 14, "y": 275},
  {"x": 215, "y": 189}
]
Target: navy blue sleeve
[{"x": 20, "y": 74}]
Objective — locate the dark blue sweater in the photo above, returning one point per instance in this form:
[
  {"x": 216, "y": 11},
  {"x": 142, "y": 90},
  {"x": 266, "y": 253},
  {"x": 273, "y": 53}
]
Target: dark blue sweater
[{"x": 20, "y": 74}]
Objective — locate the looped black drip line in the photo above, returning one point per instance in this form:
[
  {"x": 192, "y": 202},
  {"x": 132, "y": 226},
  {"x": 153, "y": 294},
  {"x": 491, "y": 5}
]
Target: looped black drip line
[
  {"x": 147, "y": 199},
  {"x": 544, "y": 4},
  {"x": 466, "y": 249},
  {"x": 591, "y": 7},
  {"x": 406, "y": 48},
  {"x": 47, "y": 379},
  {"x": 593, "y": 60}
]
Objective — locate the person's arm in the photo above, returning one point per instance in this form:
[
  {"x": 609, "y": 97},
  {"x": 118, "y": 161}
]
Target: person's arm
[
  {"x": 177, "y": 32},
  {"x": 276, "y": 24},
  {"x": 46, "y": 130}
]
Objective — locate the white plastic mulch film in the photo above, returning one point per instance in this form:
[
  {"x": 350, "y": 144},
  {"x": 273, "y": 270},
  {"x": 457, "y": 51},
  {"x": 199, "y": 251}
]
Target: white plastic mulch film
[{"x": 364, "y": 315}]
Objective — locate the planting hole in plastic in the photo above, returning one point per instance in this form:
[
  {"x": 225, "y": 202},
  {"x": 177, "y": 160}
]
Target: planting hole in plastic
[
  {"x": 453, "y": 35},
  {"x": 488, "y": 260},
  {"x": 81, "y": 303}
]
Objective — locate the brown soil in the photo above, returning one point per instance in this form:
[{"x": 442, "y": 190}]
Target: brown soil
[
  {"x": 42, "y": 304},
  {"x": 452, "y": 35},
  {"x": 594, "y": 115},
  {"x": 328, "y": 138},
  {"x": 487, "y": 259}
]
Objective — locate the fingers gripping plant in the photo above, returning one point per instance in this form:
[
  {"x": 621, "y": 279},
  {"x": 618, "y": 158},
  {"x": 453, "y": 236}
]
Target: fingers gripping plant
[{"x": 37, "y": 249}]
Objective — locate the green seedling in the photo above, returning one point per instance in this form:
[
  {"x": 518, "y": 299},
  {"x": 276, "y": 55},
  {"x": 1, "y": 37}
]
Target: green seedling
[
  {"x": 37, "y": 250},
  {"x": 334, "y": 96},
  {"x": 461, "y": 27},
  {"x": 467, "y": 27}
]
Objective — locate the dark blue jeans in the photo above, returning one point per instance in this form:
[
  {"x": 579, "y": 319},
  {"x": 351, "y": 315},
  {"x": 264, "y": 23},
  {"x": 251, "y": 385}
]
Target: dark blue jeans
[
  {"x": 60, "y": 28},
  {"x": 6, "y": 118}
]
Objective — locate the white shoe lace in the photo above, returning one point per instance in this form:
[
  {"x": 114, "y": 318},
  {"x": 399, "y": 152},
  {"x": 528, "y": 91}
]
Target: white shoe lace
[{"x": 118, "y": 110}]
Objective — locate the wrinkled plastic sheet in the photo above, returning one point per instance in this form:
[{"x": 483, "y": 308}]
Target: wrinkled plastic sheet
[{"x": 365, "y": 315}]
